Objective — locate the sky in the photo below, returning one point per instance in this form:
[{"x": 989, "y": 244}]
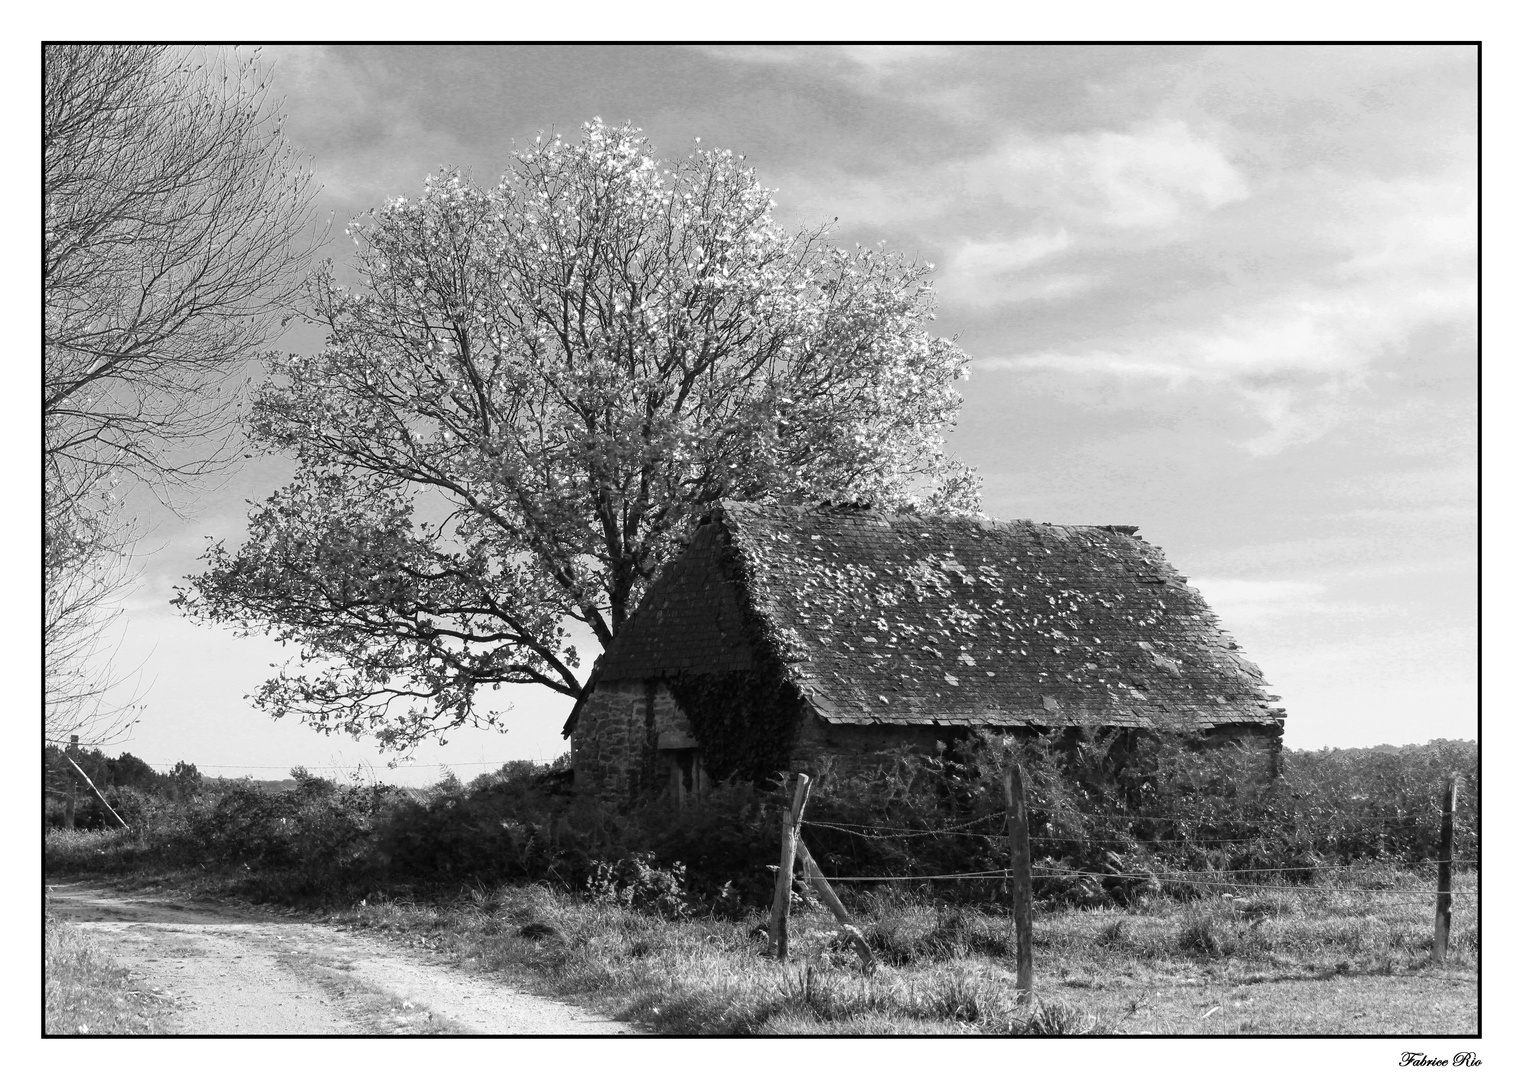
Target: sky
[{"x": 1224, "y": 294}]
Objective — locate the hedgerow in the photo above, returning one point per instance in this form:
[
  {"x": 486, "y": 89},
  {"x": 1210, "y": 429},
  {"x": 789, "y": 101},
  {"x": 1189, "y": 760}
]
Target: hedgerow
[
  {"x": 1111, "y": 817},
  {"x": 1111, "y": 820}
]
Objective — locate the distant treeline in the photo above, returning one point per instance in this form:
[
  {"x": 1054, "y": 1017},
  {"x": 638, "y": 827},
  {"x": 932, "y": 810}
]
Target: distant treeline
[{"x": 124, "y": 780}]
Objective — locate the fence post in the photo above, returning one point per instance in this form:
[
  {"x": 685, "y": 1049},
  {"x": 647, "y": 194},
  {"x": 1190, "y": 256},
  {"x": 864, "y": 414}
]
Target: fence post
[
  {"x": 68, "y": 802},
  {"x": 1445, "y": 876},
  {"x": 816, "y": 877},
  {"x": 98, "y": 795},
  {"x": 777, "y": 930},
  {"x": 1020, "y": 875}
]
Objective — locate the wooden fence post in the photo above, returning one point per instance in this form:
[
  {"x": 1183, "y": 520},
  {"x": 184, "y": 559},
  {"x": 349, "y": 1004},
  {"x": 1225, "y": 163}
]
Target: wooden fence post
[
  {"x": 1445, "y": 876},
  {"x": 816, "y": 878},
  {"x": 1020, "y": 875},
  {"x": 777, "y": 930}
]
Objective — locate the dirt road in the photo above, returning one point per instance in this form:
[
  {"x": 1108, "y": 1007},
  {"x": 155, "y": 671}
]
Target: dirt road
[{"x": 233, "y": 972}]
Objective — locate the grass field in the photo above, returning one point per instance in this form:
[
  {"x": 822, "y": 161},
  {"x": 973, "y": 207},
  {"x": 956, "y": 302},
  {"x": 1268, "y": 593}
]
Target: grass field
[
  {"x": 1269, "y": 962},
  {"x": 1262, "y": 962}
]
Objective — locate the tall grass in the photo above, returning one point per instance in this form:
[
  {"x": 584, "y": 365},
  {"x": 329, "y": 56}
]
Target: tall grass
[
  {"x": 941, "y": 967},
  {"x": 709, "y": 975}
]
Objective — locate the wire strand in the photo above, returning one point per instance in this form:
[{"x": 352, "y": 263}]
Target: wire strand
[
  {"x": 991, "y": 875},
  {"x": 897, "y": 832}
]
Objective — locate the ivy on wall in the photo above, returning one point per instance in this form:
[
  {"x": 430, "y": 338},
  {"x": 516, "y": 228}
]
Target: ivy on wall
[{"x": 746, "y": 721}]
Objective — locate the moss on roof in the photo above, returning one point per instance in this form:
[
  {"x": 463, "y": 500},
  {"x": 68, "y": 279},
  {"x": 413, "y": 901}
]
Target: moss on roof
[{"x": 912, "y": 619}]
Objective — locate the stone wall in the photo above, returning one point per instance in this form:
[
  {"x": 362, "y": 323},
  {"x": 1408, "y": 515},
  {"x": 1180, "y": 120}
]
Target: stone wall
[
  {"x": 620, "y": 747},
  {"x": 610, "y": 718},
  {"x": 846, "y": 741},
  {"x": 617, "y": 746},
  {"x": 616, "y": 743}
]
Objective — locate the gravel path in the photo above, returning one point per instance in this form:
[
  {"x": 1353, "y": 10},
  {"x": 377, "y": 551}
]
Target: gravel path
[{"x": 234, "y": 972}]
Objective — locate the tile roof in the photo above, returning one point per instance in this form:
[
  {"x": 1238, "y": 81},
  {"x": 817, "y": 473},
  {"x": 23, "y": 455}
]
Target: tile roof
[
  {"x": 915, "y": 619},
  {"x": 688, "y": 621}
]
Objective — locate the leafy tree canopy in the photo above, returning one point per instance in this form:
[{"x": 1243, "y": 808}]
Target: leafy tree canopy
[{"x": 564, "y": 371}]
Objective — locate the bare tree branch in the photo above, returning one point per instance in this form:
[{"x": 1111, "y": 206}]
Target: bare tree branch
[{"x": 176, "y": 229}]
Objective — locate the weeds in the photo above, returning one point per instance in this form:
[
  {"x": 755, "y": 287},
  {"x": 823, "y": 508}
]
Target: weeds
[
  {"x": 1054, "y": 1018},
  {"x": 1112, "y": 933}
]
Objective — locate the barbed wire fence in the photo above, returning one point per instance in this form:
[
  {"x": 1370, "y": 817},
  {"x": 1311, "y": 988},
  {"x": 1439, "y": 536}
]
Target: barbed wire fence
[{"x": 1243, "y": 882}]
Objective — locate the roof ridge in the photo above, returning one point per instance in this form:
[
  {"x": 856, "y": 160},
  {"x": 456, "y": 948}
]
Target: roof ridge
[{"x": 798, "y": 510}]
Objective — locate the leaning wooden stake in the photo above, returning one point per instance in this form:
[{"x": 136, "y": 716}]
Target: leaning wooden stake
[
  {"x": 1445, "y": 876},
  {"x": 1020, "y": 875},
  {"x": 813, "y": 875},
  {"x": 777, "y": 930},
  {"x": 95, "y": 789}
]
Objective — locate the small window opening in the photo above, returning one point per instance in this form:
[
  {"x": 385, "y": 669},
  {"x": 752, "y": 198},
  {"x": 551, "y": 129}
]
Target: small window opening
[{"x": 685, "y": 776}]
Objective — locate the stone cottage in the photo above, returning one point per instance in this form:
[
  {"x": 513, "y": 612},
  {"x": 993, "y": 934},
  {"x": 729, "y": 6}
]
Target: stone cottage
[{"x": 783, "y": 632}]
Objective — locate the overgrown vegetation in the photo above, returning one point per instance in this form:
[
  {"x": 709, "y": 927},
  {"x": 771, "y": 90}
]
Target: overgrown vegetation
[
  {"x": 125, "y": 781},
  {"x": 734, "y": 715},
  {"x": 1109, "y": 825},
  {"x": 1159, "y": 868},
  {"x": 1120, "y": 820}
]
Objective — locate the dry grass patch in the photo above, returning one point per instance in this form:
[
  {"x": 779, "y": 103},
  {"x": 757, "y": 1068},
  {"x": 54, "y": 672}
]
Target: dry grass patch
[
  {"x": 1257, "y": 961},
  {"x": 85, "y": 992},
  {"x": 1315, "y": 962},
  {"x": 711, "y": 976}
]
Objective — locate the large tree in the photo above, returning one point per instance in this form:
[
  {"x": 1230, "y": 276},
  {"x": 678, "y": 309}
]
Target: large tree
[
  {"x": 563, "y": 372},
  {"x": 176, "y": 231}
]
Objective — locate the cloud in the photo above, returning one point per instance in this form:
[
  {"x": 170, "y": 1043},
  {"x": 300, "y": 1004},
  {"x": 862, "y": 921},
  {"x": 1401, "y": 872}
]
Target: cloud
[
  {"x": 1033, "y": 198},
  {"x": 1418, "y": 229},
  {"x": 874, "y": 60},
  {"x": 1400, "y": 688},
  {"x": 888, "y": 58},
  {"x": 364, "y": 118},
  {"x": 298, "y": 67},
  {"x": 989, "y": 272},
  {"x": 1149, "y": 177},
  {"x": 1256, "y": 604},
  {"x": 1231, "y": 592},
  {"x": 1002, "y": 256},
  {"x": 1297, "y": 355},
  {"x": 1259, "y": 604}
]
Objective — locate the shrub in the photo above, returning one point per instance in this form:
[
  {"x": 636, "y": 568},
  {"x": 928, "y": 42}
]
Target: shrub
[
  {"x": 1114, "y": 820},
  {"x": 1114, "y": 816},
  {"x": 634, "y": 882},
  {"x": 725, "y": 838}
]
